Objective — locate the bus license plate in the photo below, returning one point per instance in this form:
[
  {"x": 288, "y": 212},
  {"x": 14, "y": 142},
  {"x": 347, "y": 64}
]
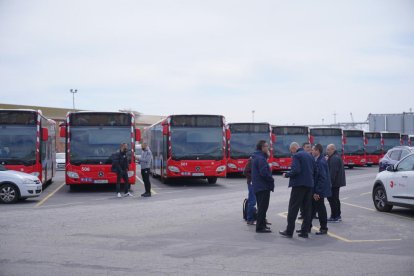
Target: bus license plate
[
  {"x": 198, "y": 174},
  {"x": 100, "y": 181}
]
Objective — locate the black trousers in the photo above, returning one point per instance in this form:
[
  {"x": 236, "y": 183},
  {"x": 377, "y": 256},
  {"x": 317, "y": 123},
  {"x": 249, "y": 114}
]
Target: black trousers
[
  {"x": 299, "y": 196},
  {"x": 262, "y": 198},
  {"x": 319, "y": 207},
  {"x": 335, "y": 203},
  {"x": 145, "y": 177},
  {"x": 122, "y": 175}
]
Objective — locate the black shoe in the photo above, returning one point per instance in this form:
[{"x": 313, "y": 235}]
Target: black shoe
[
  {"x": 285, "y": 234},
  {"x": 300, "y": 231},
  {"x": 267, "y": 227},
  {"x": 303, "y": 235},
  {"x": 322, "y": 232},
  {"x": 265, "y": 230},
  {"x": 146, "y": 195}
]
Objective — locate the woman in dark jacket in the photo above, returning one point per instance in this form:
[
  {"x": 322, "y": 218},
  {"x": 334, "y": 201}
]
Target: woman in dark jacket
[{"x": 322, "y": 189}]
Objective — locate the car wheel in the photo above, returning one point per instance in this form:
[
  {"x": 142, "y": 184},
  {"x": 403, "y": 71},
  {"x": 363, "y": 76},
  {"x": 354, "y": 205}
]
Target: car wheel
[
  {"x": 212, "y": 180},
  {"x": 379, "y": 197},
  {"x": 9, "y": 193}
]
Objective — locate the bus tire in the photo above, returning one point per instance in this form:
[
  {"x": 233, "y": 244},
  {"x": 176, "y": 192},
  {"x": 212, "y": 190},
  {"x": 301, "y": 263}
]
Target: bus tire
[
  {"x": 164, "y": 180},
  {"x": 73, "y": 188},
  {"x": 212, "y": 180},
  {"x": 350, "y": 167}
]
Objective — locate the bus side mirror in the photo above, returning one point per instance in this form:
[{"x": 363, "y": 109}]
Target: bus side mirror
[
  {"x": 137, "y": 135},
  {"x": 165, "y": 130},
  {"x": 62, "y": 131},
  {"x": 228, "y": 134},
  {"x": 273, "y": 138},
  {"x": 45, "y": 134}
]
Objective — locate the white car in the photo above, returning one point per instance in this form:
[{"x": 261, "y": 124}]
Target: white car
[
  {"x": 60, "y": 160},
  {"x": 395, "y": 186},
  {"x": 16, "y": 185}
]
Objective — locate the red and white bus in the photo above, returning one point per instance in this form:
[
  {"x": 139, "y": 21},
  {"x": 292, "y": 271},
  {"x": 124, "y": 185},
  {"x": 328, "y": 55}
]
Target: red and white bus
[
  {"x": 326, "y": 136},
  {"x": 91, "y": 140},
  {"x": 28, "y": 143},
  {"x": 242, "y": 143},
  {"x": 283, "y": 136},
  {"x": 405, "y": 141},
  {"x": 390, "y": 140},
  {"x": 373, "y": 147},
  {"x": 354, "y": 148},
  {"x": 188, "y": 146}
]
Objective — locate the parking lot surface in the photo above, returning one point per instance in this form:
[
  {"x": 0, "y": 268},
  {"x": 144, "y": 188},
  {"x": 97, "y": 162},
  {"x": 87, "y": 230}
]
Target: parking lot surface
[{"x": 194, "y": 228}]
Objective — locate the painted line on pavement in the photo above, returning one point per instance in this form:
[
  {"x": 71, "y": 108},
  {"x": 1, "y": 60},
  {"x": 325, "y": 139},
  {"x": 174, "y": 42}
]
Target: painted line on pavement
[
  {"x": 374, "y": 210},
  {"x": 367, "y": 193},
  {"x": 152, "y": 190},
  {"x": 284, "y": 215},
  {"x": 50, "y": 195}
]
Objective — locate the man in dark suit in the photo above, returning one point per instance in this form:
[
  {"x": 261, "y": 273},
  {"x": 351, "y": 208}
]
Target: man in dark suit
[
  {"x": 338, "y": 180},
  {"x": 301, "y": 177}
]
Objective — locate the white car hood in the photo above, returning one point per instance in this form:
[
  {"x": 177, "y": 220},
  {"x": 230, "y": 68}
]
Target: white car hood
[{"x": 16, "y": 174}]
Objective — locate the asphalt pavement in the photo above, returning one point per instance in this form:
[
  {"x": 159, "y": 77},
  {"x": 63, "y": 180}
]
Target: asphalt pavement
[{"x": 194, "y": 228}]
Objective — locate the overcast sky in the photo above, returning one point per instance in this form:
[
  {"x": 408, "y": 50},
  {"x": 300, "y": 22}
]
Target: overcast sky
[{"x": 293, "y": 62}]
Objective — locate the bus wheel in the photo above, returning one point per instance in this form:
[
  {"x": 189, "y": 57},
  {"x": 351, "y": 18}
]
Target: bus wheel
[
  {"x": 164, "y": 180},
  {"x": 9, "y": 193},
  {"x": 212, "y": 180},
  {"x": 350, "y": 167},
  {"x": 73, "y": 188}
]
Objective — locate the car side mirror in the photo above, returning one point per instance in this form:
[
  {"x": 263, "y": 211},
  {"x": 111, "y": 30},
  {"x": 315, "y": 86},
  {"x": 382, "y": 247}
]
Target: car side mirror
[{"x": 390, "y": 168}]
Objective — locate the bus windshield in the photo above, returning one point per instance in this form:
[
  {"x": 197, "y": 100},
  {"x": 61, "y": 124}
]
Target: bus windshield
[
  {"x": 197, "y": 143},
  {"x": 389, "y": 143},
  {"x": 282, "y": 144},
  {"x": 18, "y": 145},
  {"x": 354, "y": 146},
  {"x": 242, "y": 145},
  {"x": 326, "y": 140},
  {"x": 373, "y": 146},
  {"x": 95, "y": 145}
]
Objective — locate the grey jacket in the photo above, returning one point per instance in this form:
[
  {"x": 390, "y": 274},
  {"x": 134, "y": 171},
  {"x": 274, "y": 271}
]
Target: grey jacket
[{"x": 146, "y": 159}]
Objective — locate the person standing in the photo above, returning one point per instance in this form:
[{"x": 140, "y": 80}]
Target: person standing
[
  {"x": 120, "y": 163},
  {"x": 322, "y": 189},
  {"x": 308, "y": 148},
  {"x": 251, "y": 199},
  {"x": 145, "y": 161},
  {"x": 301, "y": 178},
  {"x": 263, "y": 183},
  {"x": 337, "y": 175}
]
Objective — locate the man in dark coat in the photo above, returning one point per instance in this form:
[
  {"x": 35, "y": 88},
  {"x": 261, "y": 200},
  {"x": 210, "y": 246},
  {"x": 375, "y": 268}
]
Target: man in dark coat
[
  {"x": 322, "y": 188},
  {"x": 337, "y": 174},
  {"x": 263, "y": 183},
  {"x": 301, "y": 178},
  {"x": 120, "y": 164}
]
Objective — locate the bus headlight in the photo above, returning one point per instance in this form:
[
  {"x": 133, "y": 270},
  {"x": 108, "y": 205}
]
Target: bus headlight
[
  {"x": 231, "y": 166},
  {"x": 221, "y": 169},
  {"x": 130, "y": 173},
  {"x": 35, "y": 174},
  {"x": 363, "y": 160},
  {"x": 72, "y": 174},
  {"x": 174, "y": 169},
  {"x": 275, "y": 164}
]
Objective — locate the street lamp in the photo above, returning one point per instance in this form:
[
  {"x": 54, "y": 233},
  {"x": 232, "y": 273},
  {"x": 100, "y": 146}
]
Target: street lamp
[{"x": 73, "y": 91}]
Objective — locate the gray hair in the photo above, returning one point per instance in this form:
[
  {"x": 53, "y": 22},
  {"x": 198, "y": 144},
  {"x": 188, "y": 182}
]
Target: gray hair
[
  {"x": 331, "y": 146},
  {"x": 294, "y": 145}
]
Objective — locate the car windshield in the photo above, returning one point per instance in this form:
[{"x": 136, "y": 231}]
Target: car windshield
[
  {"x": 195, "y": 143},
  {"x": 96, "y": 145},
  {"x": 282, "y": 144},
  {"x": 373, "y": 146},
  {"x": 354, "y": 146},
  {"x": 60, "y": 155},
  {"x": 242, "y": 145},
  {"x": 326, "y": 140},
  {"x": 18, "y": 144}
]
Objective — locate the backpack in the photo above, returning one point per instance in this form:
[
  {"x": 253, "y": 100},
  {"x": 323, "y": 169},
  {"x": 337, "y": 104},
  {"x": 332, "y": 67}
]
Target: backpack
[{"x": 245, "y": 210}]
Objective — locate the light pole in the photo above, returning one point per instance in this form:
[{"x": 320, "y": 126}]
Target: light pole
[
  {"x": 73, "y": 91},
  {"x": 253, "y": 116}
]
